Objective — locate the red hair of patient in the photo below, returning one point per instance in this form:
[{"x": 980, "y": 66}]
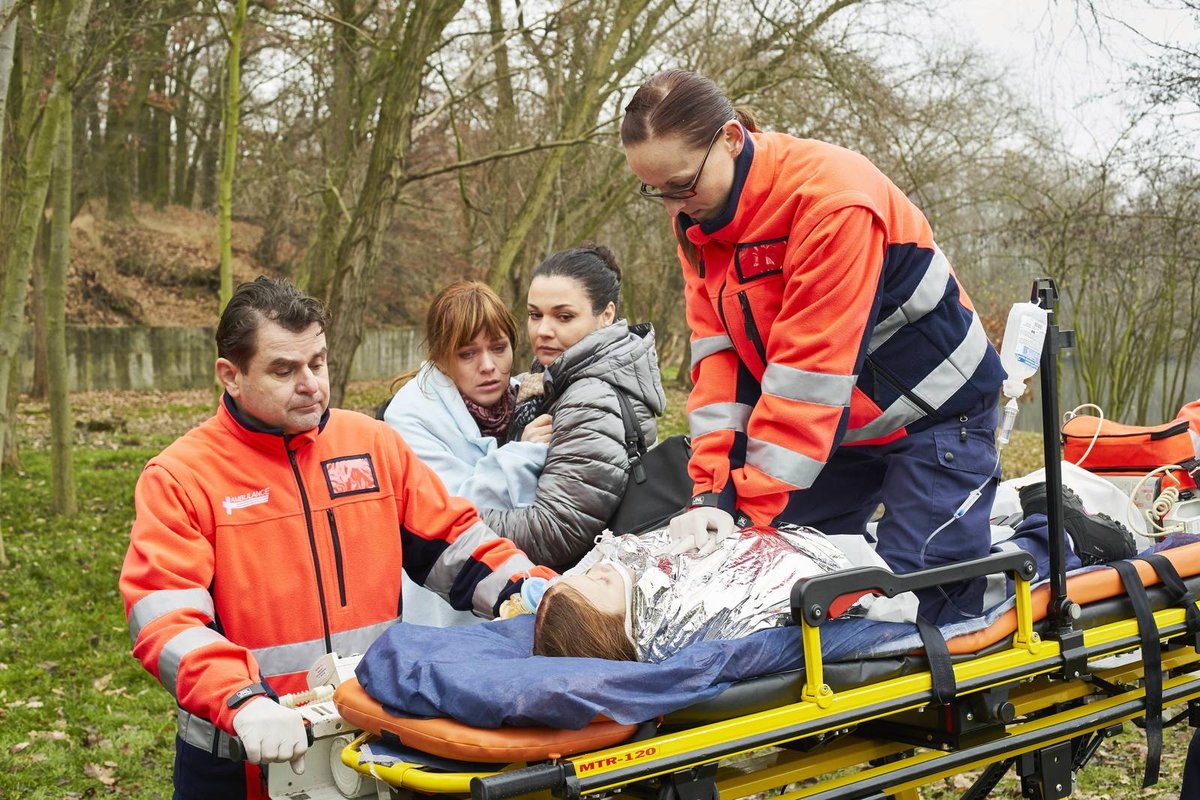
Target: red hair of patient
[{"x": 567, "y": 624}]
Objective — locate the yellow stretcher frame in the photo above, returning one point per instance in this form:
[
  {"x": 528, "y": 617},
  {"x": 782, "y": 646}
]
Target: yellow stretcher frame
[{"x": 1026, "y": 665}]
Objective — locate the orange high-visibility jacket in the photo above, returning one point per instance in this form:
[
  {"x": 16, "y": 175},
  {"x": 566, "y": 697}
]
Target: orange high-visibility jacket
[
  {"x": 822, "y": 314},
  {"x": 252, "y": 554}
]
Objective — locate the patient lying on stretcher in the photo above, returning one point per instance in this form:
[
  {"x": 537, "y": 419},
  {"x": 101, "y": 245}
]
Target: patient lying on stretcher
[{"x": 632, "y": 600}]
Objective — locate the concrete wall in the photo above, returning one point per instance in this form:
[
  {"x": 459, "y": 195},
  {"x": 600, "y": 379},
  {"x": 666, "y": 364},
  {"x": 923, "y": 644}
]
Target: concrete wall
[{"x": 182, "y": 358}]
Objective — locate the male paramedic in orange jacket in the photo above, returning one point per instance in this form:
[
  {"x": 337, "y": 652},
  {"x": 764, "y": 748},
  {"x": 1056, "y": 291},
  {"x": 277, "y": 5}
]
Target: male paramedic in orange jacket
[{"x": 274, "y": 533}]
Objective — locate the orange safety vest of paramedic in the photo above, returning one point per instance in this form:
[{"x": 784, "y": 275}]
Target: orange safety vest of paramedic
[{"x": 823, "y": 314}]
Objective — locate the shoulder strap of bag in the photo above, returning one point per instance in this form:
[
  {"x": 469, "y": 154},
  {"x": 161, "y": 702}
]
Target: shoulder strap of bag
[{"x": 635, "y": 442}]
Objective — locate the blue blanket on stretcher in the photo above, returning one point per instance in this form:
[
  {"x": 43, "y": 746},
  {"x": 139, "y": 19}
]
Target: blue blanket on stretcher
[{"x": 485, "y": 675}]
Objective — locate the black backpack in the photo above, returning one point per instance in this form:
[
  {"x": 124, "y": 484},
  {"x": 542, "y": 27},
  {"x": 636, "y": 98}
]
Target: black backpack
[{"x": 650, "y": 502}]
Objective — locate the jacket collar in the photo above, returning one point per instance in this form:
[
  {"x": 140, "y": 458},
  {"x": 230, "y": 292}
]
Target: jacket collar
[
  {"x": 728, "y": 225},
  {"x": 263, "y": 438}
]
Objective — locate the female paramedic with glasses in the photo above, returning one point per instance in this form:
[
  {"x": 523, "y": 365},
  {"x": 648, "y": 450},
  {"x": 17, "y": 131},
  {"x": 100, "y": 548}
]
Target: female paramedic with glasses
[{"x": 838, "y": 362}]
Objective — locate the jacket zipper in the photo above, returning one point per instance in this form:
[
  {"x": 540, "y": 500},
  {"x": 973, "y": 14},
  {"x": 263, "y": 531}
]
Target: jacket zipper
[
  {"x": 751, "y": 327},
  {"x": 898, "y": 386},
  {"x": 312, "y": 543},
  {"x": 337, "y": 556}
]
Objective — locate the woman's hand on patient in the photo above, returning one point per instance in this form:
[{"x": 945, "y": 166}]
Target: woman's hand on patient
[
  {"x": 700, "y": 529},
  {"x": 539, "y": 430}
]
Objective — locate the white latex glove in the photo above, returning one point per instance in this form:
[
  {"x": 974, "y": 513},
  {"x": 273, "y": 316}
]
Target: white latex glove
[
  {"x": 269, "y": 732},
  {"x": 700, "y": 529},
  {"x": 539, "y": 430}
]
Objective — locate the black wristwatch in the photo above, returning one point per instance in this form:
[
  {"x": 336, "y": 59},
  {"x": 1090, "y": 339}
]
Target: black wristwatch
[{"x": 244, "y": 694}]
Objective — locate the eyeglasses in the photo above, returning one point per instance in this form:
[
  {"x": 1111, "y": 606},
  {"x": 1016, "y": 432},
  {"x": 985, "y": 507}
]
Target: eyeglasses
[{"x": 645, "y": 190}]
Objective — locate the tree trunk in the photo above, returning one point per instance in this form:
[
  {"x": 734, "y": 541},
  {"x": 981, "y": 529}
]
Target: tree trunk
[
  {"x": 199, "y": 167},
  {"x": 18, "y": 254},
  {"x": 340, "y": 147},
  {"x": 8, "y": 38},
  {"x": 115, "y": 161},
  {"x": 61, "y": 424},
  {"x": 413, "y": 38},
  {"x": 39, "y": 386},
  {"x": 229, "y": 137},
  {"x": 209, "y": 155},
  {"x": 10, "y": 460},
  {"x": 182, "y": 108}
]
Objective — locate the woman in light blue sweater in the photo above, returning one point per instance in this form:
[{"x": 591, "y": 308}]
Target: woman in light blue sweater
[{"x": 454, "y": 412}]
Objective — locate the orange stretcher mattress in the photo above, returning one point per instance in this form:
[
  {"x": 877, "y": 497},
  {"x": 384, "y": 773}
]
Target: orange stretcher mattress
[{"x": 450, "y": 739}]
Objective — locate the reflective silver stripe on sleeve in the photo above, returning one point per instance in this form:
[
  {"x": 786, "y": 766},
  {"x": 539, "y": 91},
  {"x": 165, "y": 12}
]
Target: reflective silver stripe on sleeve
[
  {"x": 285, "y": 659},
  {"x": 704, "y": 347},
  {"x": 199, "y": 732},
  {"x": 935, "y": 388},
  {"x": 452, "y": 559},
  {"x": 718, "y": 417},
  {"x": 952, "y": 374},
  {"x": 900, "y": 413},
  {"x": 156, "y": 604},
  {"x": 925, "y": 297},
  {"x": 488, "y": 589},
  {"x": 808, "y": 387},
  {"x": 176, "y": 650},
  {"x": 782, "y": 464}
]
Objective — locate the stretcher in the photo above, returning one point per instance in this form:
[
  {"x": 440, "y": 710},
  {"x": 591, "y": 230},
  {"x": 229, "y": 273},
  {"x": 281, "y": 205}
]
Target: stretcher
[
  {"x": 1021, "y": 698},
  {"x": 1036, "y": 692}
]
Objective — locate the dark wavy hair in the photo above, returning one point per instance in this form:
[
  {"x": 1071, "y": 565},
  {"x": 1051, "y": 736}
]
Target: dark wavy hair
[{"x": 264, "y": 299}]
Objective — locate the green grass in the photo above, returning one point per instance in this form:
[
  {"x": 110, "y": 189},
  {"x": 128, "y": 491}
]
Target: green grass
[{"x": 80, "y": 718}]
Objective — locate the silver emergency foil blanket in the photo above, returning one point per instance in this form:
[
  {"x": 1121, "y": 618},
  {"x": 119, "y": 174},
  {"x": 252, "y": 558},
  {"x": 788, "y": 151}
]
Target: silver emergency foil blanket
[{"x": 743, "y": 586}]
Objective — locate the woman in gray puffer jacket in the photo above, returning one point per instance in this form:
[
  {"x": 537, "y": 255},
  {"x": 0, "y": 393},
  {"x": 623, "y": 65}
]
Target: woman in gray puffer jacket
[{"x": 585, "y": 355}]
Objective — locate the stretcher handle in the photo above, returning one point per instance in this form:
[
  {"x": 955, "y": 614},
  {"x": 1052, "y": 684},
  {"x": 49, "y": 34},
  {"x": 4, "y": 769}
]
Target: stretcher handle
[
  {"x": 813, "y": 597},
  {"x": 238, "y": 753},
  {"x": 521, "y": 781}
]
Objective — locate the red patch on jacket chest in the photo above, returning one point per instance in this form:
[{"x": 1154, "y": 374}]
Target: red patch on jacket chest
[
  {"x": 350, "y": 475},
  {"x": 754, "y": 260}
]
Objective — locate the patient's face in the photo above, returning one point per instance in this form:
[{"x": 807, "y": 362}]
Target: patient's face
[{"x": 602, "y": 585}]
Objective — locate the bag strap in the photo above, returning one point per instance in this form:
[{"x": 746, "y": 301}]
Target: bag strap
[
  {"x": 1179, "y": 593},
  {"x": 1152, "y": 678},
  {"x": 941, "y": 668},
  {"x": 635, "y": 442}
]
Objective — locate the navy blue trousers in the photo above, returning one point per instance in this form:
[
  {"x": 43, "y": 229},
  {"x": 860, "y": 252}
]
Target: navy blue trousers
[
  {"x": 1190, "y": 789},
  {"x": 921, "y": 480},
  {"x": 199, "y": 775}
]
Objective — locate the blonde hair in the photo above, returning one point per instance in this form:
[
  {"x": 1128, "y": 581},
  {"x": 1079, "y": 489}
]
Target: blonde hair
[
  {"x": 568, "y": 624},
  {"x": 458, "y": 314}
]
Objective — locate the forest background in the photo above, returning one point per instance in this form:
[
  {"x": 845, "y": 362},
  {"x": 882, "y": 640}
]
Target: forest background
[{"x": 371, "y": 151}]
